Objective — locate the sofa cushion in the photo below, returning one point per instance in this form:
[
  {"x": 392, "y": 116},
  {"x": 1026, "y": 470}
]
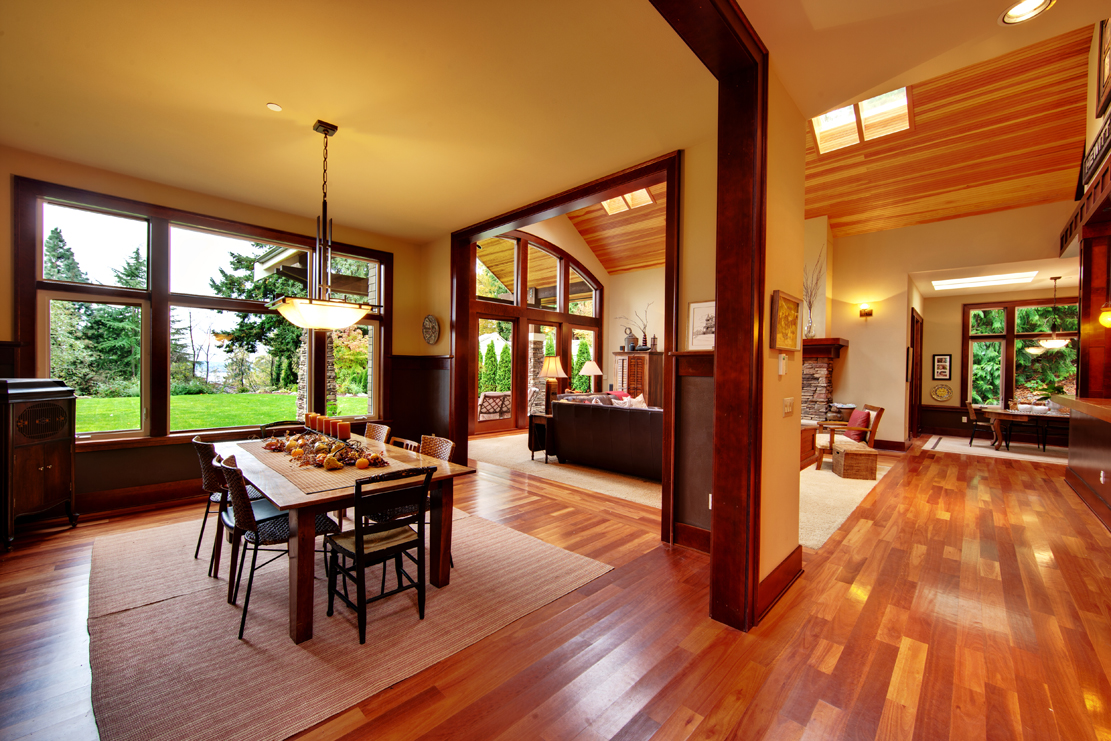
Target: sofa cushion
[{"x": 859, "y": 418}]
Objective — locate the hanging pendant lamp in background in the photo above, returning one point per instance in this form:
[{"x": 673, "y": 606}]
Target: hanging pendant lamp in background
[
  {"x": 1054, "y": 342},
  {"x": 318, "y": 310}
]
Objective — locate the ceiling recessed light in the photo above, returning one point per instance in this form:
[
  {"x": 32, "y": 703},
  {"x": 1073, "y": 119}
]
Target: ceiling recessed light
[
  {"x": 1025, "y": 11},
  {"x": 983, "y": 280},
  {"x": 273, "y": 106}
]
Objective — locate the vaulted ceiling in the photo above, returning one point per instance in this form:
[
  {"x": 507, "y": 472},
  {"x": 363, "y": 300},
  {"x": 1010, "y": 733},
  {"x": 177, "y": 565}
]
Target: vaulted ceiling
[
  {"x": 1000, "y": 134},
  {"x": 626, "y": 241}
]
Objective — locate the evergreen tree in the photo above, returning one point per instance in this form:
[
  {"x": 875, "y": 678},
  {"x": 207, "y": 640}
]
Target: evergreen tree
[
  {"x": 505, "y": 369},
  {"x": 582, "y": 354},
  {"x": 70, "y": 354},
  {"x": 58, "y": 261},
  {"x": 280, "y": 338},
  {"x": 114, "y": 331},
  {"x": 488, "y": 380},
  {"x": 549, "y": 344}
]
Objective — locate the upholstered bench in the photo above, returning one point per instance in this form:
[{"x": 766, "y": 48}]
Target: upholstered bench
[{"x": 853, "y": 460}]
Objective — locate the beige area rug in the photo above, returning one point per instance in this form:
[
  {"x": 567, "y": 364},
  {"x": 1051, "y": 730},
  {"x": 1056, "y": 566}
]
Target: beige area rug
[
  {"x": 511, "y": 451},
  {"x": 1018, "y": 451},
  {"x": 826, "y": 500},
  {"x": 166, "y": 663}
]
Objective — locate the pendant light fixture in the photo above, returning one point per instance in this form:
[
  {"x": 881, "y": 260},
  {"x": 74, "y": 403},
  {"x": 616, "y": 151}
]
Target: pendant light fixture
[
  {"x": 318, "y": 310},
  {"x": 1054, "y": 342}
]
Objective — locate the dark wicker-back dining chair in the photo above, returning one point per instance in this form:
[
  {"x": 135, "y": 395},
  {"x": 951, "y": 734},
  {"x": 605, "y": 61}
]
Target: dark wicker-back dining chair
[
  {"x": 212, "y": 482},
  {"x": 400, "y": 442},
  {"x": 977, "y": 423},
  {"x": 381, "y": 433},
  {"x": 436, "y": 447},
  {"x": 257, "y": 524},
  {"x": 388, "y": 525}
]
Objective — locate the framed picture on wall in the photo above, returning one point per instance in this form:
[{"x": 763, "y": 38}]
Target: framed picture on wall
[
  {"x": 943, "y": 367},
  {"x": 703, "y": 325},
  {"x": 786, "y": 322},
  {"x": 1103, "y": 68}
]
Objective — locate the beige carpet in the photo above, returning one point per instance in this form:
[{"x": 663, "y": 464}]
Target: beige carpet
[
  {"x": 166, "y": 663},
  {"x": 511, "y": 451},
  {"x": 826, "y": 500},
  {"x": 1018, "y": 451}
]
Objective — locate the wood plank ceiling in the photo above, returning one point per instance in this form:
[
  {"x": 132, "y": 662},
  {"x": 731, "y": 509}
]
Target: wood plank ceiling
[
  {"x": 1001, "y": 134},
  {"x": 630, "y": 240}
]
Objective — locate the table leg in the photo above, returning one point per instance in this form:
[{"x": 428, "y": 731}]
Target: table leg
[
  {"x": 302, "y": 554},
  {"x": 996, "y": 426},
  {"x": 443, "y": 499}
]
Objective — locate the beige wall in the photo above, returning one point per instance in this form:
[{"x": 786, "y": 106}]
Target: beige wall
[
  {"x": 407, "y": 257},
  {"x": 628, "y": 293},
  {"x": 779, "y": 490},
  {"x": 819, "y": 236},
  {"x": 942, "y": 334},
  {"x": 873, "y": 268},
  {"x": 698, "y": 229}
]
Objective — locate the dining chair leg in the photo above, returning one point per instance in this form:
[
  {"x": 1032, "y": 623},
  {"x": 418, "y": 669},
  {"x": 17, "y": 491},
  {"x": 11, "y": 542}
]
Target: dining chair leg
[
  {"x": 360, "y": 594},
  {"x": 217, "y": 544},
  {"x": 420, "y": 581},
  {"x": 207, "y": 509},
  {"x": 239, "y": 574},
  {"x": 232, "y": 580},
  {"x": 332, "y": 582},
  {"x": 973, "y": 435},
  {"x": 247, "y": 597}
]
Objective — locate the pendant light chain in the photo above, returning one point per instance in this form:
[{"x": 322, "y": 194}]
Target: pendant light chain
[{"x": 324, "y": 186}]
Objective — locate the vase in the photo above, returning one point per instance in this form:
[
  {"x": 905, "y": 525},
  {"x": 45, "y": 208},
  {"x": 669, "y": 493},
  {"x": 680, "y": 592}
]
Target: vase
[{"x": 808, "y": 333}]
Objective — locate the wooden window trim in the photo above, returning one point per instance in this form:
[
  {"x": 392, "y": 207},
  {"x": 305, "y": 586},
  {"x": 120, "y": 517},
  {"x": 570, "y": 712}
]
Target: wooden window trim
[{"x": 28, "y": 193}]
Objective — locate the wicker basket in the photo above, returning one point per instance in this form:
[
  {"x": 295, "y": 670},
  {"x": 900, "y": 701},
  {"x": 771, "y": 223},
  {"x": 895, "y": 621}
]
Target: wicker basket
[{"x": 854, "y": 461}]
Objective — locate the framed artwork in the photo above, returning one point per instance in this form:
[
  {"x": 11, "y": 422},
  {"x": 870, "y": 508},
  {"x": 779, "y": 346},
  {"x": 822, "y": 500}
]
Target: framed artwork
[
  {"x": 786, "y": 322},
  {"x": 1103, "y": 72},
  {"x": 943, "y": 367},
  {"x": 702, "y": 325}
]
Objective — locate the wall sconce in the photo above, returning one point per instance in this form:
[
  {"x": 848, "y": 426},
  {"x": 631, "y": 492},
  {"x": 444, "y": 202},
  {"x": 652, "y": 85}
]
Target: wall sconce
[
  {"x": 1105, "y": 315},
  {"x": 865, "y": 311}
]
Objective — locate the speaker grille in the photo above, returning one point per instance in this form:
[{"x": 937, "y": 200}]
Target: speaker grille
[{"x": 42, "y": 420}]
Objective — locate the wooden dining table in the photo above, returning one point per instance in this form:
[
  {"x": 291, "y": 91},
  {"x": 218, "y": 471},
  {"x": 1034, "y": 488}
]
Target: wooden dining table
[
  {"x": 998, "y": 416},
  {"x": 303, "y": 507}
]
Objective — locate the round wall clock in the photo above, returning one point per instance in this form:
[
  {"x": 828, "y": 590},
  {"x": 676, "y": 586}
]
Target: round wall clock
[
  {"x": 431, "y": 330},
  {"x": 941, "y": 392}
]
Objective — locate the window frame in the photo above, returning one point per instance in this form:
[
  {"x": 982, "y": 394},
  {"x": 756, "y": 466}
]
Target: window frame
[
  {"x": 29, "y": 325},
  {"x": 1009, "y": 338}
]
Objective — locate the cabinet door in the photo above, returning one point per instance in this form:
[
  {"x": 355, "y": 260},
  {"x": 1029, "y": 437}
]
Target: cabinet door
[
  {"x": 57, "y": 476},
  {"x": 27, "y": 480}
]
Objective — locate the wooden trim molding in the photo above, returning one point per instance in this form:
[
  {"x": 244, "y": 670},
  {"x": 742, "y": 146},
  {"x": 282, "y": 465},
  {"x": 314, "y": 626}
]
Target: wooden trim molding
[
  {"x": 776, "y": 583},
  {"x": 823, "y": 347},
  {"x": 690, "y": 536},
  {"x": 1094, "y": 501},
  {"x": 901, "y": 447}
]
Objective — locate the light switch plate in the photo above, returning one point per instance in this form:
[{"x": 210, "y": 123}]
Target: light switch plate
[{"x": 788, "y": 405}]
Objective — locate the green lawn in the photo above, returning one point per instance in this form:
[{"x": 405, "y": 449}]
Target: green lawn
[{"x": 201, "y": 411}]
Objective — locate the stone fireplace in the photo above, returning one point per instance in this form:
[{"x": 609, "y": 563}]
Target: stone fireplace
[{"x": 817, "y": 375}]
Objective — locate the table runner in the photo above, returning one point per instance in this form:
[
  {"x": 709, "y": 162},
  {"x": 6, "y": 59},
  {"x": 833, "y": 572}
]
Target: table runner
[{"x": 313, "y": 480}]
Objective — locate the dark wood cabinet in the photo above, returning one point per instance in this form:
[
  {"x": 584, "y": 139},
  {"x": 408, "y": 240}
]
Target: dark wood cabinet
[
  {"x": 37, "y": 433},
  {"x": 638, "y": 373},
  {"x": 539, "y": 434}
]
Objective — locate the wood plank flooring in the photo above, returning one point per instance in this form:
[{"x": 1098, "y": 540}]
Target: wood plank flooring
[{"x": 965, "y": 598}]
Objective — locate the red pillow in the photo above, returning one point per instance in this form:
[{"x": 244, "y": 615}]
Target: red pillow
[
  {"x": 618, "y": 394},
  {"x": 859, "y": 418}
]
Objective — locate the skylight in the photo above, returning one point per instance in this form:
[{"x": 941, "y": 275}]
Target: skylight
[
  {"x": 879, "y": 116},
  {"x": 984, "y": 280},
  {"x": 636, "y": 199}
]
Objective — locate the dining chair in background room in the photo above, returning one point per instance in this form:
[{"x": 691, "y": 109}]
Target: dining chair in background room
[
  {"x": 388, "y": 526},
  {"x": 271, "y": 429},
  {"x": 436, "y": 447},
  {"x": 977, "y": 423},
  {"x": 212, "y": 482},
  {"x": 400, "y": 442},
  {"x": 257, "y": 526},
  {"x": 381, "y": 433}
]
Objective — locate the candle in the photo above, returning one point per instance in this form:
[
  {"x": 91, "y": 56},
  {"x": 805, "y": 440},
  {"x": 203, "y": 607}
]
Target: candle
[
  {"x": 310, "y": 420},
  {"x": 318, "y": 423},
  {"x": 333, "y": 426},
  {"x": 344, "y": 432}
]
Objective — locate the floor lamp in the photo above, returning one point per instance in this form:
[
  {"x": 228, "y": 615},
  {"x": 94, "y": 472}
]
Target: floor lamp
[
  {"x": 590, "y": 368},
  {"x": 551, "y": 370}
]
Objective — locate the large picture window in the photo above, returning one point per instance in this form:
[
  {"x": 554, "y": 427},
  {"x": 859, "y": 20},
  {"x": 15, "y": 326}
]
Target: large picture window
[
  {"x": 158, "y": 319},
  {"x": 999, "y": 369}
]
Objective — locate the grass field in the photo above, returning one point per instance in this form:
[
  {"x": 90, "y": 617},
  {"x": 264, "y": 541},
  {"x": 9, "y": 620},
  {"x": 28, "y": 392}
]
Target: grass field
[{"x": 201, "y": 411}]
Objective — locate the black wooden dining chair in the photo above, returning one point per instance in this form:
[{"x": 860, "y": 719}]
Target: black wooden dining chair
[
  {"x": 212, "y": 482},
  {"x": 389, "y": 525},
  {"x": 257, "y": 524}
]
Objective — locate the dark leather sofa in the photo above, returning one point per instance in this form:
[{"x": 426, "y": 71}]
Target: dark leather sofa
[{"x": 628, "y": 441}]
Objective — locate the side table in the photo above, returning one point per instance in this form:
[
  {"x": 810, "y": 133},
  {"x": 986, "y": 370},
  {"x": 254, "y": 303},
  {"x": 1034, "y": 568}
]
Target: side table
[{"x": 538, "y": 437}]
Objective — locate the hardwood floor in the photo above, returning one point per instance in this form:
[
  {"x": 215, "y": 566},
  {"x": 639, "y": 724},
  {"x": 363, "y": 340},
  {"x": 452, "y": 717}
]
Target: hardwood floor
[{"x": 966, "y": 598}]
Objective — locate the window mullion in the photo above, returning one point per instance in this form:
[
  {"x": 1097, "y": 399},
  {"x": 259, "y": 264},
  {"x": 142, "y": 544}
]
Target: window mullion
[
  {"x": 1008, "y": 391},
  {"x": 157, "y": 366}
]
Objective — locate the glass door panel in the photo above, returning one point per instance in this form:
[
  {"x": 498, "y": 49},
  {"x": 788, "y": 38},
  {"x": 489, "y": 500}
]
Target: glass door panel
[
  {"x": 987, "y": 377},
  {"x": 494, "y": 375},
  {"x": 543, "y": 341},
  {"x": 582, "y": 351}
]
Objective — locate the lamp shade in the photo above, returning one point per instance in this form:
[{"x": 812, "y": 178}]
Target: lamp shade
[
  {"x": 552, "y": 368},
  {"x": 311, "y": 313},
  {"x": 1053, "y": 343},
  {"x": 590, "y": 368}
]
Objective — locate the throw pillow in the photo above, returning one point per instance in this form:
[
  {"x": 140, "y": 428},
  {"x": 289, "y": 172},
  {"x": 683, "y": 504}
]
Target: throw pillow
[
  {"x": 637, "y": 403},
  {"x": 596, "y": 402},
  {"x": 623, "y": 403},
  {"x": 619, "y": 394},
  {"x": 859, "y": 418}
]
